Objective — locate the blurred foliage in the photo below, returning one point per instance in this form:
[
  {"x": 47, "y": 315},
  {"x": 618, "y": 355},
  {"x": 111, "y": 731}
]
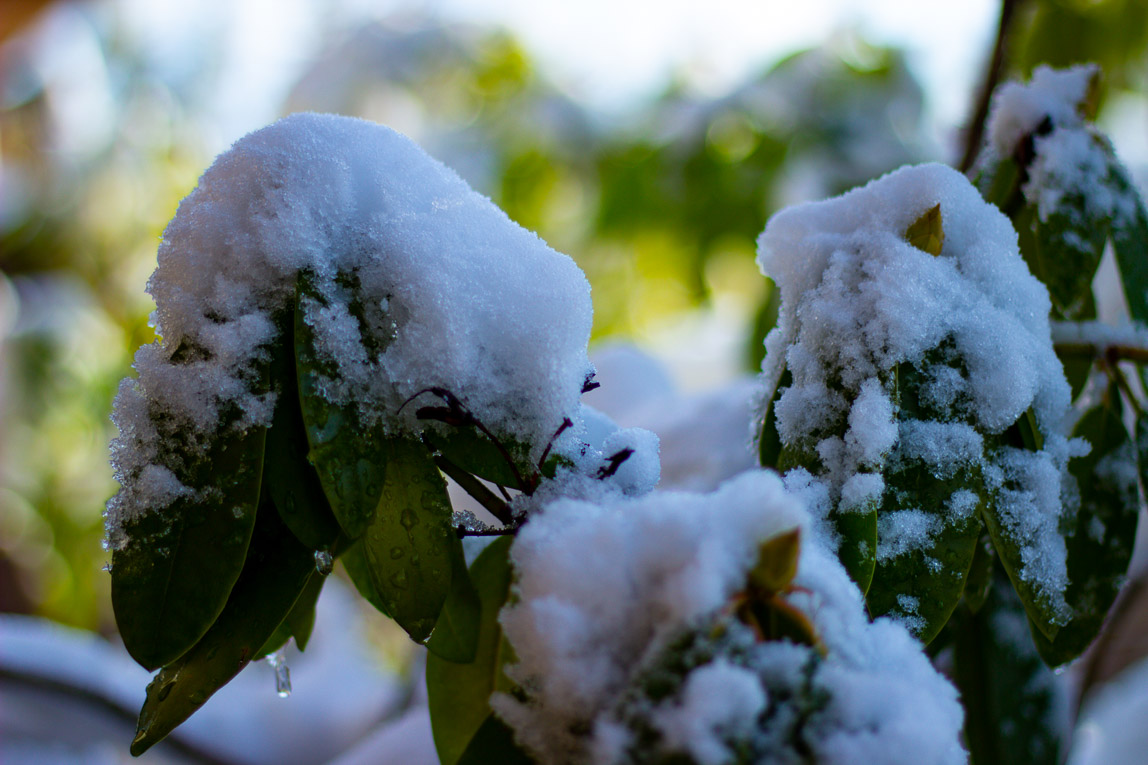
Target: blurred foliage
[
  {"x": 1111, "y": 33},
  {"x": 660, "y": 206}
]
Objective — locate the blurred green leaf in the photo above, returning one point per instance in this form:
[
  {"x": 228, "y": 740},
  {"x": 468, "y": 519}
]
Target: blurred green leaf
[
  {"x": 1130, "y": 242},
  {"x": 494, "y": 743},
  {"x": 475, "y": 453},
  {"x": 410, "y": 542},
  {"x": 277, "y": 571},
  {"x": 459, "y": 694},
  {"x": 1010, "y": 697}
]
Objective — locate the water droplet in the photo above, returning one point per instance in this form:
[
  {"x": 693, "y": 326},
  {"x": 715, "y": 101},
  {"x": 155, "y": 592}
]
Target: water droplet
[
  {"x": 399, "y": 580},
  {"x": 407, "y": 519},
  {"x": 397, "y": 552},
  {"x": 165, "y": 691},
  {"x": 324, "y": 562},
  {"x": 278, "y": 662}
]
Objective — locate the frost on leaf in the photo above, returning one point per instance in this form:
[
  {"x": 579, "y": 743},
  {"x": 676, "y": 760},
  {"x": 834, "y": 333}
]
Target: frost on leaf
[{"x": 897, "y": 376}]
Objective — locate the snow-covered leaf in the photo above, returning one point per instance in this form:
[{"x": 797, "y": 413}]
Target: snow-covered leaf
[
  {"x": 172, "y": 577},
  {"x": 1101, "y": 534},
  {"x": 349, "y": 458},
  {"x": 277, "y": 571},
  {"x": 459, "y": 694},
  {"x": 410, "y": 541}
]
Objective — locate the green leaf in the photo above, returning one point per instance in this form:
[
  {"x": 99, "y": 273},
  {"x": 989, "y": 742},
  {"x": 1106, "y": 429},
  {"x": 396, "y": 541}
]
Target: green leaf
[
  {"x": 776, "y": 562},
  {"x": 410, "y": 541},
  {"x": 301, "y": 619},
  {"x": 1009, "y": 695},
  {"x": 459, "y": 694},
  {"x": 172, "y": 578},
  {"x": 924, "y": 583},
  {"x": 978, "y": 584},
  {"x": 1130, "y": 242},
  {"x": 474, "y": 452},
  {"x": 349, "y": 458},
  {"x": 494, "y": 743},
  {"x": 359, "y": 570},
  {"x": 927, "y": 232},
  {"x": 769, "y": 443},
  {"x": 288, "y": 476},
  {"x": 1100, "y": 537},
  {"x": 1064, "y": 253},
  {"x": 455, "y": 635},
  {"x": 276, "y": 573}
]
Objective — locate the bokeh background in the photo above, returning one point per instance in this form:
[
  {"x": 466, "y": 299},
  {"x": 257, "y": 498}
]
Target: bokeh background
[{"x": 650, "y": 141}]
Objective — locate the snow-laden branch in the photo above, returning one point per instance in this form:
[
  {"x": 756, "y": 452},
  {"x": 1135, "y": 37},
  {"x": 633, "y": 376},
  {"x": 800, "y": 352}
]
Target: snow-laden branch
[{"x": 1128, "y": 342}]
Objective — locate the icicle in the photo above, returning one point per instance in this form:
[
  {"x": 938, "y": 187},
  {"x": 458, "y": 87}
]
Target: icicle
[{"x": 278, "y": 662}]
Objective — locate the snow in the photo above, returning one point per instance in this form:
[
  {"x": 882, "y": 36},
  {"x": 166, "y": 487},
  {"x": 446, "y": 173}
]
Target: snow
[
  {"x": 607, "y": 593},
  {"x": 860, "y": 307},
  {"x": 421, "y": 282},
  {"x": 1053, "y": 94}
]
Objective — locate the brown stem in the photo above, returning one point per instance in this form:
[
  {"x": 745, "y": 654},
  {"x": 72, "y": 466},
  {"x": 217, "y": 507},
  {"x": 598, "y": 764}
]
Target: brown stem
[
  {"x": 1112, "y": 353},
  {"x": 476, "y": 489},
  {"x": 975, "y": 129}
]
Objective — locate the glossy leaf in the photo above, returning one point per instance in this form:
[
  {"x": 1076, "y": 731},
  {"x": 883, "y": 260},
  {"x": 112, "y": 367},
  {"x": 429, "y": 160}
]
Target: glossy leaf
[
  {"x": 410, "y": 542},
  {"x": 494, "y": 743},
  {"x": 350, "y": 459},
  {"x": 455, "y": 636},
  {"x": 359, "y": 571},
  {"x": 927, "y": 232},
  {"x": 288, "y": 476},
  {"x": 459, "y": 694},
  {"x": 172, "y": 578},
  {"x": 1101, "y": 535},
  {"x": 277, "y": 572}
]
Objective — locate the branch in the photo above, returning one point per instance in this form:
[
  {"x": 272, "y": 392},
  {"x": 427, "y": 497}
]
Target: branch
[
  {"x": 1101, "y": 341},
  {"x": 476, "y": 489},
  {"x": 975, "y": 129}
]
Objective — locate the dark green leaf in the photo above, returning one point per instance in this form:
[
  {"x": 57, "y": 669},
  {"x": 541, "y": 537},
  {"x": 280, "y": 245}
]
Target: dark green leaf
[
  {"x": 349, "y": 457},
  {"x": 494, "y": 743},
  {"x": 769, "y": 443},
  {"x": 924, "y": 583},
  {"x": 459, "y": 694},
  {"x": 1009, "y": 695},
  {"x": 455, "y": 636},
  {"x": 277, "y": 571},
  {"x": 288, "y": 476},
  {"x": 301, "y": 619},
  {"x": 410, "y": 541},
  {"x": 1130, "y": 243},
  {"x": 1100, "y": 536},
  {"x": 359, "y": 570},
  {"x": 980, "y": 578},
  {"x": 172, "y": 578},
  {"x": 475, "y": 453}
]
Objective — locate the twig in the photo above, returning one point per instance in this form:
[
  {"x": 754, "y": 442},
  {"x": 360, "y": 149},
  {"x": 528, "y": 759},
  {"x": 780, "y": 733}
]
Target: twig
[
  {"x": 476, "y": 489},
  {"x": 975, "y": 129}
]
